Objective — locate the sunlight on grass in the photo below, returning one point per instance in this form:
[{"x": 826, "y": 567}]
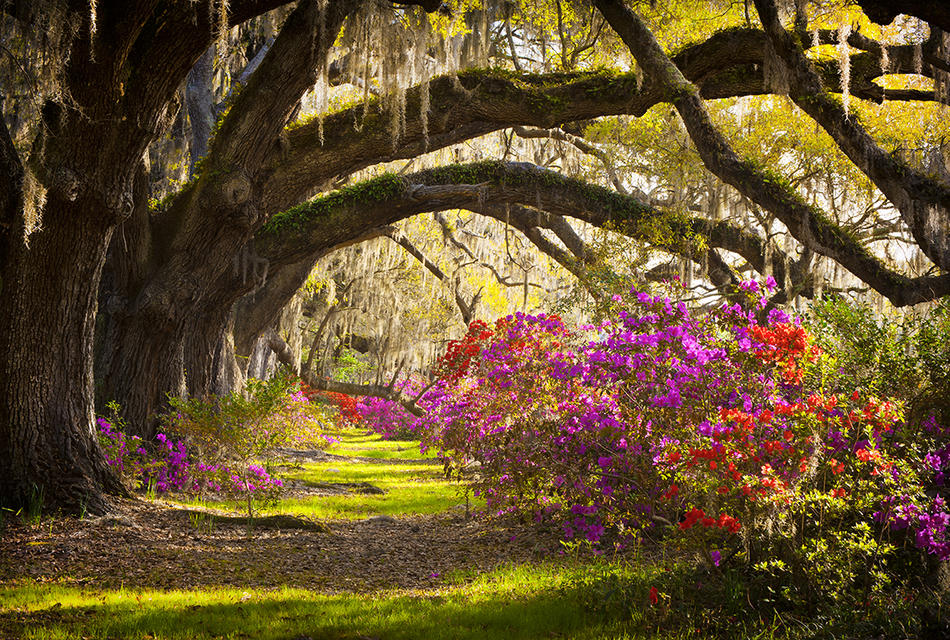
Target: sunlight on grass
[
  {"x": 524, "y": 601},
  {"x": 520, "y": 602},
  {"x": 408, "y": 488},
  {"x": 370, "y": 445}
]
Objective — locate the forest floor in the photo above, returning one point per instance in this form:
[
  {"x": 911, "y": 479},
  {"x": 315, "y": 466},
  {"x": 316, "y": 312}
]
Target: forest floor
[
  {"x": 369, "y": 519},
  {"x": 160, "y": 544}
]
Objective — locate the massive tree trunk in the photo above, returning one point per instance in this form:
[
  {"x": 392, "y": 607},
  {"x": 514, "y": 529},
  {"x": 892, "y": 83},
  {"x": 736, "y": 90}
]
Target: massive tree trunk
[
  {"x": 112, "y": 97},
  {"x": 51, "y": 457},
  {"x": 177, "y": 324}
]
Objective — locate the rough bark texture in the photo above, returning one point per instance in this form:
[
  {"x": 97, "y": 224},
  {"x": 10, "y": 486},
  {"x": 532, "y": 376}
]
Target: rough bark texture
[
  {"x": 87, "y": 154},
  {"x": 178, "y": 315},
  {"x": 200, "y": 105},
  {"x": 50, "y": 456}
]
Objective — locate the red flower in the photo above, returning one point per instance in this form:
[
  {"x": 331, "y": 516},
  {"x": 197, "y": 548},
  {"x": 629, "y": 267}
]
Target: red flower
[
  {"x": 729, "y": 523},
  {"x": 654, "y": 595}
]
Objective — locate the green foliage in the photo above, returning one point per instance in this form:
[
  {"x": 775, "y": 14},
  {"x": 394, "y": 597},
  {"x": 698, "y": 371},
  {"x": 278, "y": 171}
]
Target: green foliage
[
  {"x": 699, "y": 600},
  {"x": 348, "y": 367},
  {"x": 239, "y": 429},
  {"x": 907, "y": 358}
]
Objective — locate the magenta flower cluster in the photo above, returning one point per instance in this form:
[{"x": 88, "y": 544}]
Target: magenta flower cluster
[
  {"x": 704, "y": 422},
  {"x": 168, "y": 467},
  {"x": 389, "y": 418}
]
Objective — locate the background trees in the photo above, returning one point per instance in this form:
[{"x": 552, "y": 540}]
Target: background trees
[{"x": 684, "y": 110}]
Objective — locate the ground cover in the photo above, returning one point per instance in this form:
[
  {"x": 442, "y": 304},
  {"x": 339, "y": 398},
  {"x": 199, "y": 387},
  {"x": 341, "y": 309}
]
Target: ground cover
[
  {"x": 163, "y": 570},
  {"x": 369, "y": 445}
]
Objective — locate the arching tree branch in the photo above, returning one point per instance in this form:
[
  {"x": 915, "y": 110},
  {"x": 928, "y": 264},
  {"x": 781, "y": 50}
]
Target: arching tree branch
[
  {"x": 923, "y": 201},
  {"x": 511, "y": 192},
  {"x": 474, "y": 103},
  {"x": 805, "y": 222},
  {"x": 288, "y": 70}
]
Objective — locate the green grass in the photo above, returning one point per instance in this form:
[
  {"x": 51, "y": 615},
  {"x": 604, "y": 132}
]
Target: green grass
[
  {"x": 409, "y": 488},
  {"x": 578, "y": 596},
  {"x": 545, "y": 600},
  {"x": 513, "y": 602},
  {"x": 371, "y": 446}
]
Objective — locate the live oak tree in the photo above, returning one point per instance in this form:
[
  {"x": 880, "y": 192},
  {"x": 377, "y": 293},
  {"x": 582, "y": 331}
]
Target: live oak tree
[{"x": 201, "y": 275}]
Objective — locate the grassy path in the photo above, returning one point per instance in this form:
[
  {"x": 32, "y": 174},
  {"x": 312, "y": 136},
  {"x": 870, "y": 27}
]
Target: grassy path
[{"x": 373, "y": 543}]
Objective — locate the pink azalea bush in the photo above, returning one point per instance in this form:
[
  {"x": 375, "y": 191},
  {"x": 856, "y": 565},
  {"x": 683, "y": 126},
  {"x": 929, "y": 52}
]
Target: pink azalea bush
[
  {"x": 389, "y": 418},
  {"x": 218, "y": 443},
  {"x": 723, "y": 429}
]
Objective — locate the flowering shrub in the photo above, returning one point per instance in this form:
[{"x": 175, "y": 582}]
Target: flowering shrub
[
  {"x": 719, "y": 428},
  {"x": 346, "y": 412},
  {"x": 387, "y": 417},
  {"x": 220, "y": 444},
  {"x": 126, "y": 455},
  {"x": 229, "y": 434},
  {"x": 168, "y": 468}
]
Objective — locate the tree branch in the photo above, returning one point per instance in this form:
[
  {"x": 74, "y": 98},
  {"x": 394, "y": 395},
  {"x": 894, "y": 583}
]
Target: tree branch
[
  {"x": 466, "y": 309},
  {"x": 884, "y": 11},
  {"x": 805, "y": 222},
  {"x": 474, "y": 103},
  {"x": 580, "y": 144},
  {"x": 497, "y": 189},
  {"x": 290, "y": 67},
  {"x": 923, "y": 201}
]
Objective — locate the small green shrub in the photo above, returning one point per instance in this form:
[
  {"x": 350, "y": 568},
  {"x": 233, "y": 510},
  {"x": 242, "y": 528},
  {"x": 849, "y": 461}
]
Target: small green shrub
[{"x": 231, "y": 434}]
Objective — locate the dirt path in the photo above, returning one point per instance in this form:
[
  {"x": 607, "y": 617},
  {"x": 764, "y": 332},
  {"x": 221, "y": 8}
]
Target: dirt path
[
  {"x": 150, "y": 545},
  {"x": 158, "y": 545}
]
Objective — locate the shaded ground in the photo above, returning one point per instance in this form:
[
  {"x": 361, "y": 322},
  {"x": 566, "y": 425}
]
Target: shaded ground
[{"x": 155, "y": 545}]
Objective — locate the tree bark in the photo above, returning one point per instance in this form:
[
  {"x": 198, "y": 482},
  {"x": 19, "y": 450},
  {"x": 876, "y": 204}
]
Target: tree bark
[
  {"x": 50, "y": 454},
  {"x": 112, "y": 102},
  {"x": 200, "y": 104}
]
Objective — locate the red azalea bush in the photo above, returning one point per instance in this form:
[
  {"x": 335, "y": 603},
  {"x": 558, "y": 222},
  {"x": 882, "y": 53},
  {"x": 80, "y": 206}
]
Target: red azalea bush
[{"x": 347, "y": 413}]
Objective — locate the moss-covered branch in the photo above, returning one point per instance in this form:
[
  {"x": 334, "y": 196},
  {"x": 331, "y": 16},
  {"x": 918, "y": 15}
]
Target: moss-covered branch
[
  {"x": 473, "y": 103},
  {"x": 806, "y": 222}
]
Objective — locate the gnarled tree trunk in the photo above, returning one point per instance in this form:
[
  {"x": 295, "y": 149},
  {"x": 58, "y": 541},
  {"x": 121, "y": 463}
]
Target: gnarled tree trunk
[{"x": 51, "y": 456}]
